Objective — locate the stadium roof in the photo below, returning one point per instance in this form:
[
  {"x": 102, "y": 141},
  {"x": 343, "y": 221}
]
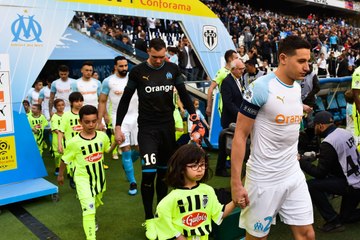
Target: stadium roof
[{"x": 76, "y": 46}]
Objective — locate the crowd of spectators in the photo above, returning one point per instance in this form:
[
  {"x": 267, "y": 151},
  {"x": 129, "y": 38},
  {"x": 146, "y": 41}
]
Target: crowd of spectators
[
  {"x": 255, "y": 33},
  {"x": 260, "y": 30}
]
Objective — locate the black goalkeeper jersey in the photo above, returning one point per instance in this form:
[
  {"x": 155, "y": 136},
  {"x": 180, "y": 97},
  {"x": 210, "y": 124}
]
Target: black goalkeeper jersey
[{"x": 155, "y": 90}]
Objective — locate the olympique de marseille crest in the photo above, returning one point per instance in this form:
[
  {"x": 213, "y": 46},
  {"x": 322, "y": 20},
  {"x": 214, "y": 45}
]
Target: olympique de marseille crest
[{"x": 210, "y": 36}]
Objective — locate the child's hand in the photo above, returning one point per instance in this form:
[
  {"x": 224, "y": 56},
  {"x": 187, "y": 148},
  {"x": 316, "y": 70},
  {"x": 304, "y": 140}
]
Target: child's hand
[
  {"x": 181, "y": 237},
  {"x": 60, "y": 149}
]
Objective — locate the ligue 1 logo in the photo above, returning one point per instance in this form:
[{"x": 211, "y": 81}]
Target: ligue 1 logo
[{"x": 26, "y": 29}]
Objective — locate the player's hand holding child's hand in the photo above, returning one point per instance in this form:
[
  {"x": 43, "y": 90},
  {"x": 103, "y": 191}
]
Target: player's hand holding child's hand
[{"x": 240, "y": 196}]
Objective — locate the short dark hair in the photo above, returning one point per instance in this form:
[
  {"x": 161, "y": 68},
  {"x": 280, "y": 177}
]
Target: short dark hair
[
  {"x": 87, "y": 110},
  {"x": 228, "y": 54},
  {"x": 38, "y": 106},
  {"x": 119, "y": 58},
  {"x": 157, "y": 44},
  {"x": 26, "y": 102},
  {"x": 87, "y": 63},
  {"x": 186, "y": 154},
  {"x": 57, "y": 101},
  {"x": 75, "y": 96},
  {"x": 290, "y": 44},
  {"x": 63, "y": 68}
]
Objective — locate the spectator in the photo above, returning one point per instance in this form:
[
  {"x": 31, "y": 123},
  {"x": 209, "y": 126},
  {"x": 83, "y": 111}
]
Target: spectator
[
  {"x": 186, "y": 59},
  {"x": 252, "y": 73},
  {"x": 321, "y": 63},
  {"x": 140, "y": 43},
  {"x": 343, "y": 66},
  {"x": 92, "y": 26},
  {"x": 331, "y": 62},
  {"x": 231, "y": 92}
]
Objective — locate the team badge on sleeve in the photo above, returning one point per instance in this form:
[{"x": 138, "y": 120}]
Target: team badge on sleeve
[{"x": 248, "y": 95}]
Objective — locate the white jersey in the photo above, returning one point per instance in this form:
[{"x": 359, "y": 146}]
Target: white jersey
[
  {"x": 113, "y": 87},
  {"x": 33, "y": 97},
  {"x": 89, "y": 89},
  {"x": 45, "y": 96},
  {"x": 274, "y": 138},
  {"x": 62, "y": 90}
]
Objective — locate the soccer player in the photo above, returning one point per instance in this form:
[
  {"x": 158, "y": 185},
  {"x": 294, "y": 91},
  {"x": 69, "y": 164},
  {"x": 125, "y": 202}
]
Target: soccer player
[
  {"x": 37, "y": 124},
  {"x": 70, "y": 127},
  {"x": 55, "y": 125},
  {"x": 154, "y": 81},
  {"x": 272, "y": 111},
  {"x": 113, "y": 88},
  {"x": 33, "y": 95},
  {"x": 89, "y": 87},
  {"x": 85, "y": 152},
  {"x": 229, "y": 56},
  {"x": 61, "y": 88}
]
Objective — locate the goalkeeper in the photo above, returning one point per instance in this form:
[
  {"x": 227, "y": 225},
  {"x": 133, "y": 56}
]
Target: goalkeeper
[{"x": 154, "y": 81}]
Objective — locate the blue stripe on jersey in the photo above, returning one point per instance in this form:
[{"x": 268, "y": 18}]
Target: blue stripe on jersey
[
  {"x": 105, "y": 86},
  {"x": 285, "y": 85},
  {"x": 248, "y": 109},
  {"x": 149, "y": 170}
]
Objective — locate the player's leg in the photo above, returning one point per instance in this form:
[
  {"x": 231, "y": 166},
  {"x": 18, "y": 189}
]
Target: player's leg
[
  {"x": 89, "y": 224},
  {"x": 128, "y": 168},
  {"x": 297, "y": 209},
  {"x": 303, "y": 232},
  {"x": 166, "y": 148},
  {"x": 148, "y": 144}
]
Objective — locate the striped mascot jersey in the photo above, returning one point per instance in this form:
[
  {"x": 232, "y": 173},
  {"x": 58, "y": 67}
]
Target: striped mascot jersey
[
  {"x": 188, "y": 212},
  {"x": 87, "y": 155},
  {"x": 70, "y": 125},
  {"x": 55, "y": 125},
  {"x": 39, "y": 123}
]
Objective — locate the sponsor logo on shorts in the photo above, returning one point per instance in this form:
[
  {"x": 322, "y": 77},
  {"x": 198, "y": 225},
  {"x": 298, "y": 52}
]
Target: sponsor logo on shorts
[
  {"x": 194, "y": 219},
  {"x": 263, "y": 226},
  {"x": 95, "y": 157}
]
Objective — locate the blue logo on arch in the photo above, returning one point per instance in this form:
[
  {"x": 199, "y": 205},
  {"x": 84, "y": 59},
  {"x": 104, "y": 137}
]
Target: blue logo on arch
[{"x": 26, "y": 29}]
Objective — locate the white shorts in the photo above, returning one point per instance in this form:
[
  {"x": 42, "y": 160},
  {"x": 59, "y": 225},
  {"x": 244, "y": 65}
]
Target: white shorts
[
  {"x": 290, "y": 198},
  {"x": 130, "y": 131}
]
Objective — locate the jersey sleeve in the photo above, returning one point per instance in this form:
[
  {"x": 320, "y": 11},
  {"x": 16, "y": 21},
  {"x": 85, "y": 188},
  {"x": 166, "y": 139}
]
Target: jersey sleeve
[
  {"x": 53, "y": 87},
  {"x": 355, "y": 83},
  {"x": 98, "y": 88},
  {"x": 41, "y": 94},
  {"x": 217, "y": 209},
  {"x": 63, "y": 123},
  {"x": 133, "y": 76},
  {"x": 44, "y": 121},
  {"x": 254, "y": 98},
  {"x": 74, "y": 87},
  {"x": 69, "y": 152},
  {"x": 54, "y": 122},
  {"x": 30, "y": 97},
  {"x": 105, "y": 89},
  {"x": 106, "y": 142}
]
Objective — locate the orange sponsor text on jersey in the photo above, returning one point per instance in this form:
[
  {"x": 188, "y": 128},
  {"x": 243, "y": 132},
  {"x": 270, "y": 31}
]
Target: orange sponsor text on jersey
[{"x": 282, "y": 119}]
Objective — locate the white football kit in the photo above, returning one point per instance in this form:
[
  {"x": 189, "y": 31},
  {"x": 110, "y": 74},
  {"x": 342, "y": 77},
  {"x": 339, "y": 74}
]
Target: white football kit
[{"x": 274, "y": 180}]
